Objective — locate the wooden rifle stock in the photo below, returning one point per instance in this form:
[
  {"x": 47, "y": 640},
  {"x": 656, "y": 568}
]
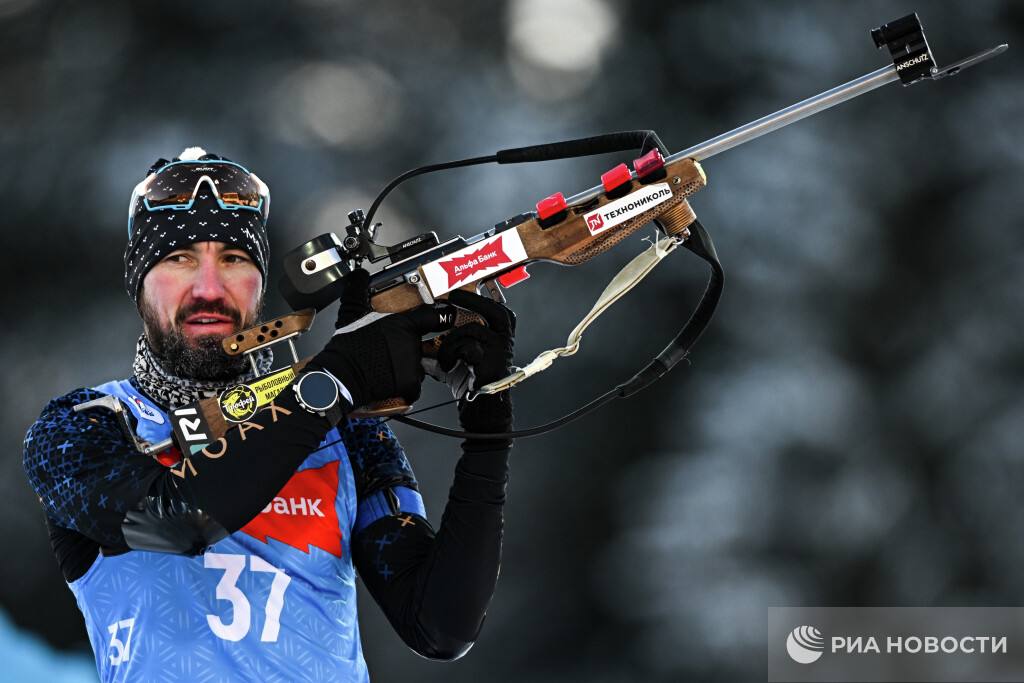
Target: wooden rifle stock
[{"x": 568, "y": 242}]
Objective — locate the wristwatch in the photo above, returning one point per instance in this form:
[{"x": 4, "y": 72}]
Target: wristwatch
[{"x": 317, "y": 392}]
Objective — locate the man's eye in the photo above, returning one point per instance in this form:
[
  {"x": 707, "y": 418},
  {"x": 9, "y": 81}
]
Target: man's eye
[
  {"x": 177, "y": 258},
  {"x": 236, "y": 258}
]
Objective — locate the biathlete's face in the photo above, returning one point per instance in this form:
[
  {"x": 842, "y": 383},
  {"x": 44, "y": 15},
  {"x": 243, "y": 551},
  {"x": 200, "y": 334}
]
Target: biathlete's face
[{"x": 193, "y": 298}]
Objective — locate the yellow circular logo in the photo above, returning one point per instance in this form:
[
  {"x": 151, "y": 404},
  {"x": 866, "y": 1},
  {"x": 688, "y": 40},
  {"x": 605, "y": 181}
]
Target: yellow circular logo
[{"x": 238, "y": 403}]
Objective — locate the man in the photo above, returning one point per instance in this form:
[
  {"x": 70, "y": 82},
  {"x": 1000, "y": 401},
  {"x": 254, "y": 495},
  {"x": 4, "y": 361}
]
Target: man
[{"x": 242, "y": 566}]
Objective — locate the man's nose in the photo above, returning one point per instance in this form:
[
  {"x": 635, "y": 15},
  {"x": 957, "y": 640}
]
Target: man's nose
[{"x": 208, "y": 283}]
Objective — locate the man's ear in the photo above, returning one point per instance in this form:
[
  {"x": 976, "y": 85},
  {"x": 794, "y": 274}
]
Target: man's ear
[
  {"x": 140, "y": 306},
  {"x": 138, "y": 302}
]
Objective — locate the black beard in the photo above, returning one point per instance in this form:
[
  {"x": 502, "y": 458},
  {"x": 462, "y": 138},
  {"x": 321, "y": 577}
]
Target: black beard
[{"x": 202, "y": 358}]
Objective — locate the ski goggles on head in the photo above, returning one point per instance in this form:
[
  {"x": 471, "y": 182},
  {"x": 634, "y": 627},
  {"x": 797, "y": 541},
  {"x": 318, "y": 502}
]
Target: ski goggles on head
[{"x": 176, "y": 186}]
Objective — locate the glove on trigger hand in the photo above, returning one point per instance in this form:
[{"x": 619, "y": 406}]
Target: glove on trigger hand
[
  {"x": 355, "y": 298},
  {"x": 381, "y": 358},
  {"x": 489, "y": 351}
]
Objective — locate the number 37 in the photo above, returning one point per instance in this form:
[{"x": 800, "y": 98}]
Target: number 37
[
  {"x": 121, "y": 653},
  {"x": 241, "y": 618}
]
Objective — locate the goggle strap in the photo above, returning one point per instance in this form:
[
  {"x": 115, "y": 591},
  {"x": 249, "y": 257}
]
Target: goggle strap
[{"x": 139, "y": 191}]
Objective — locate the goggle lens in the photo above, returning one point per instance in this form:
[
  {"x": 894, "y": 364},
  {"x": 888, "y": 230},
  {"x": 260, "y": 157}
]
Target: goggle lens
[{"x": 178, "y": 185}]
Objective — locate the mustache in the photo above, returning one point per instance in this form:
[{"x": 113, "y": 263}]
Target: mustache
[{"x": 202, "y": 306}]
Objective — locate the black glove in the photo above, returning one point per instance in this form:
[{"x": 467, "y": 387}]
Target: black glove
[
  {"x": 381, "y": 359},
  {"x": 355, "y": 298},
  {"x": 488, "y": 350}
]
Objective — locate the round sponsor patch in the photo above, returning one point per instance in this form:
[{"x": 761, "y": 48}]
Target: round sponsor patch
[{"x": 238, "y": 403}]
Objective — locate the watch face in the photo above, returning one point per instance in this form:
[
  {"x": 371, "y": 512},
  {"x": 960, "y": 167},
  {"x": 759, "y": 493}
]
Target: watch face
[{"x": 317, "y": 390}]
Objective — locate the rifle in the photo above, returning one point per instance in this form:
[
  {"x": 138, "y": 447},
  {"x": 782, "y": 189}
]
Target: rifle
[{"x": 566, "y": 231}]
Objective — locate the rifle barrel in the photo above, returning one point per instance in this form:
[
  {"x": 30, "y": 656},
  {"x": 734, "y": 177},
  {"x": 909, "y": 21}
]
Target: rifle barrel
[
  {"x": 766, "y": 124},
  {"x": 800, "y": 110},
  {"x": 791, "y": 114}
]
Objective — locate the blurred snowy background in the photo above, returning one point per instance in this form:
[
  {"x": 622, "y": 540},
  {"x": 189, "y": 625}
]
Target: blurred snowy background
[{"x": 850, "y": 430}]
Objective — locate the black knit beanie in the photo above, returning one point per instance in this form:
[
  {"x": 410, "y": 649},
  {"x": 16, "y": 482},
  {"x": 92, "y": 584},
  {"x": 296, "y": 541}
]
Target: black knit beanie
[{"x": 154, "y": 234}]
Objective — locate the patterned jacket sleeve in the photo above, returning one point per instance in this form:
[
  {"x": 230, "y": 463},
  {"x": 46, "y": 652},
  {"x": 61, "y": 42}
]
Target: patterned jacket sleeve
[
  {"x": 84, "y": 471},
  {"x": 385, "y": 483},
  {"x": 90, "y": 479}
]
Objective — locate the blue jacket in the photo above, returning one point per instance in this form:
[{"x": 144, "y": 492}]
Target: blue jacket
[{"x": 274, "y": 601}]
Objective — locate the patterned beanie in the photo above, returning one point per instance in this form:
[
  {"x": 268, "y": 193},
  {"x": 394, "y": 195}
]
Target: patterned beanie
[{"x": 154, "y": 233}]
